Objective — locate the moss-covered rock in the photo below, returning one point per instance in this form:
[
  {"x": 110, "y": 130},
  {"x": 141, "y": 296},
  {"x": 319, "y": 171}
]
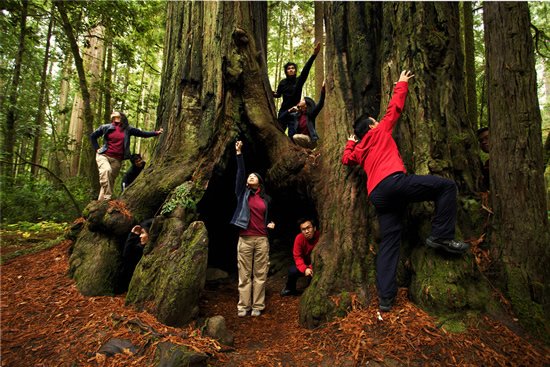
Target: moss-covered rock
[
  {"x": 168, "y": 279},
  {"x": 172, "y": 355},
  {"x": 94, "y": 264}
]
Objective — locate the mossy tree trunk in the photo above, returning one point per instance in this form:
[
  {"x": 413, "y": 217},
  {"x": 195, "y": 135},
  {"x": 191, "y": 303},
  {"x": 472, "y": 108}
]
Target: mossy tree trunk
[
  {"x": 367, "y": 47},
  {"x": 520, "y": 225}
]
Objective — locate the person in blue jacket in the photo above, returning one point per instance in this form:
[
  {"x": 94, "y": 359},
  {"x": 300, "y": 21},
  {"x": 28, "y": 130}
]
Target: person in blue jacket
[
  {"x": 115, "y": 149},
  {"x": 252, "y": 218}
]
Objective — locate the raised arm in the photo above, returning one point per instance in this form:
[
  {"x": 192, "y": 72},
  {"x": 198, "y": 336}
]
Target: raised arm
[
  {"x": 397, "y": 102},
  {"x": 307, "y": 67},
  {"x": 240, "y": 178},
  {"x": 320, "y": 104}
]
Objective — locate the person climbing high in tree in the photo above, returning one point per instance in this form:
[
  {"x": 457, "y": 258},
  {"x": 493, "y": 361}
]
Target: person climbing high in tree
[{"x": 290, "y": 88}]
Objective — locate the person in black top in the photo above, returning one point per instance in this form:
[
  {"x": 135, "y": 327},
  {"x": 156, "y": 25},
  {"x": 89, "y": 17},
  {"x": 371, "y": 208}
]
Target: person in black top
[
  {"x": 137, "y": 166},
  {"x": 290, "y": 88},
  {"x": 133, "y": 249}
]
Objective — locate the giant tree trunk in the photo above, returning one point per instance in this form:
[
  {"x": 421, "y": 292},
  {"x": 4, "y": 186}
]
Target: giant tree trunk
[
  {"x": 214, "y": 89},
  {"x": 517, "y": 183},
  {"x": 434, "y": 137}
]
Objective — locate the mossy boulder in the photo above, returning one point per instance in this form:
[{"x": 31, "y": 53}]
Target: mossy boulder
[
  {"x": 169, "y": 277},
  {"x": 173, "y": 355},
  {"x": 447, "y": 283},
  {"x": 94, "y": 264}
]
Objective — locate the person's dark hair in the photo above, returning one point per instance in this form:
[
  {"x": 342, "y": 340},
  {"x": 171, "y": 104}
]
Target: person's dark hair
[
  {"x": 262, "y": 186},
  {"x": 288, "y": 64},
  {"x": 361, "y": 126},
  {"x": 146, "y": 224},
  {"x": 134, "y": 157},
  {"x": 310, "y": 105},
  {"x": 306, "y": 219},
  {"x": 123, "y": 121},
  {"x": 482, "y": 130}
]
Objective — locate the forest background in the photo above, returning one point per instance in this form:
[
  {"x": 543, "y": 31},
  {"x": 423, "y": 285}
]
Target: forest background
[{"x": 121, "y": 42}]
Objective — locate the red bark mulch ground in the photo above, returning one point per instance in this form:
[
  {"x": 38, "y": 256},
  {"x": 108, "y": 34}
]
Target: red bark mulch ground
[{"x": 46, "y": 322}]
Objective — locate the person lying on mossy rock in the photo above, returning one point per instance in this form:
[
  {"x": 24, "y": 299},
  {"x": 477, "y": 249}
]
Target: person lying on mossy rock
[
  {"x": 390, "y": 188},
  {"x": 304, "y": 243}
]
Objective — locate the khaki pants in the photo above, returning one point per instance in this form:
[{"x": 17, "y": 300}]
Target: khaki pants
[
  {"x": 304, "y": 141},
  {"x": 253, "y": 264},
  {"x": 108, "y": 170}
]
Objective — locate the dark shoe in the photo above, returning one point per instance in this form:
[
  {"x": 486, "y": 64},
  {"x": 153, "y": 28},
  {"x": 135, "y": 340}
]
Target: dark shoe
[
  {"x": 452, "y": 246},
  {"x": 287, "y": 292},
  {"x": 386, "y": 304}
]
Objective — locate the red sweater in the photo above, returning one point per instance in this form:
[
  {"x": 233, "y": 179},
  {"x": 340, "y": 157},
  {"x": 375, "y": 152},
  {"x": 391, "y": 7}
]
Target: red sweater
[
  {"x": 115, "y": 144},
  {"x": 302, "y": 251},
  {"x": 377, "y": 152},
  {"x": 256, "y": 225}
]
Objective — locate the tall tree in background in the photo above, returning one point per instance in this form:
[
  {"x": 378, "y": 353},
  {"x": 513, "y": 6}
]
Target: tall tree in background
[
  {"x": 520, "y": 225},
  {"x": 41, "y": 111},
  {"x": 11, "y": 115},
  {"x": 89, "y": 165}
]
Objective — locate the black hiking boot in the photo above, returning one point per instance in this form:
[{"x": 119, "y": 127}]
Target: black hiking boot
[
  {"x": 386, "y": 304},
  {"x": 287, "y": 292},
  {"x": 452, "y": 246}
]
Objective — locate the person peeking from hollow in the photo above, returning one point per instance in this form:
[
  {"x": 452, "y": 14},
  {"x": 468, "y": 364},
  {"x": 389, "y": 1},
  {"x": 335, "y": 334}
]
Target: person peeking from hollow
[
  {"x": 133, "y": 248},
  {"x": 301, "y": 120},
  {"x": 251, "y": 216}
]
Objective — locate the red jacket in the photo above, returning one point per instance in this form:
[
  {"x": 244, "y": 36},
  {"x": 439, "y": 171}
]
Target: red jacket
[
  {"x": 377, "y": 152},
  {"x": 302, "y": 251}
]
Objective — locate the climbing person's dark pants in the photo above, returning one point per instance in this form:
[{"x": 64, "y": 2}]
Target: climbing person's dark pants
[{"x": 390, "y": 198}]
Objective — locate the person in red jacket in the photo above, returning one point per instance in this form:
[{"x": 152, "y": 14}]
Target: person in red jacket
[
  {"x": 304, "y": 243},
  {"x": 390, "y": 189}
]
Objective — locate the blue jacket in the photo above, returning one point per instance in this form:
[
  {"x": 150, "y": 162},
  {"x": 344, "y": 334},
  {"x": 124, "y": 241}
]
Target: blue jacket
[
  {"x": 241, "y": 216},
  {"x": 293, "y": 118},
  {"x": 105, "y": 130}
]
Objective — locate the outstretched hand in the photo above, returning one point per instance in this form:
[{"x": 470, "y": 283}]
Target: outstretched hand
[
  {"x": 323, "y": 87},
  {"x": 317, "y": 48},
  {"x": 238, "y": 146},
  {"x": 405, "y": 76},
  {"x": 352, "y": 137}
]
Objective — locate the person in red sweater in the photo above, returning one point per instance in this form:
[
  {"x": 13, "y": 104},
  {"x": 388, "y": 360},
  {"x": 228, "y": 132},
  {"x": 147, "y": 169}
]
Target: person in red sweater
[
  {"x": 304, "y": 243},
  {"x": 390, "y": 188}
]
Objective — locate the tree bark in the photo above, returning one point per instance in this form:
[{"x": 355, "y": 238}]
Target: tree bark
[
  {"x": 320, "y": 60},
  {"x": 469, "y": 65},
  {"x": 11, "y": 115},
  {"x": 520, "y": 225},
  {"x": 41, "y": 100}
]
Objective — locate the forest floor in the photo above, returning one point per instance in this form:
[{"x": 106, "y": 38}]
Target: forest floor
[{"x": 45, "y": 321}]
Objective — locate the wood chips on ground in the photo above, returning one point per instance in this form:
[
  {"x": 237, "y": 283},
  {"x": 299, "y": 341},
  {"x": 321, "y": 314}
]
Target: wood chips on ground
[{"x": 45, "y": 321}]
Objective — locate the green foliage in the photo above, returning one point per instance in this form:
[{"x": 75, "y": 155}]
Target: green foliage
[
  {"x": 186, "y": 195},
  {"x": 35, "y": 201}
]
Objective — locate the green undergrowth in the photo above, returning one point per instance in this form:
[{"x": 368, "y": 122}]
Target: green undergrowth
[{"x": 24, "y": 238}]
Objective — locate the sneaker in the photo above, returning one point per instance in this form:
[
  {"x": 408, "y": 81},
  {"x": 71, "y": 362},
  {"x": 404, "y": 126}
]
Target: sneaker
[
  {"x": 452, "y": 246},
  {"x": 287, "y": 292},
  {"x": 256, "y": 313},
  {"x": 242, "y": 313},
  {"x": 385, "y": 304}
]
